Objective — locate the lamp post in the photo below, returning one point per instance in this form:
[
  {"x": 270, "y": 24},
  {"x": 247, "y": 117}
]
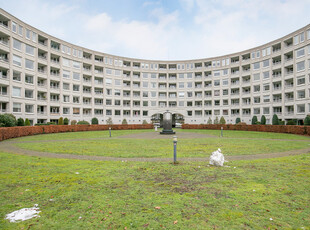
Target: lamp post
[
  {"x": 175, "y": 141},
  {"x": 110, "y": 131},
  {"x": 221, "y": 131}
]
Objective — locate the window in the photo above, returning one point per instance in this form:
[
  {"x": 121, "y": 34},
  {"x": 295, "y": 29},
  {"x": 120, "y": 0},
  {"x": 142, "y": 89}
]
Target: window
[
  {"x": 17, "y": 60},
  {"x": 17, "y": 92},
  {"x": 76, "y": 64},
  {"x": 76, "y": 111},
  {"x": 28, "y": 34},
  {"x": 34, "y": 37},
  {"x": 256, "y": 88},
  {"x": 29, "y": 108},
  {"x": 266, "y": 75},
  {"x": 145, "y": 75},
  {"x": 29, "y": 50},
  {"x": 302, "y": 37},
  {"x": 153, "y": 75},
  {"x": 108, "y": 81},
  {"x": 108, "y": 102},
  {"x": 20, "y": 30},
  {"x": 181, "y": 94},
  {"x": 66, "y": 110},
  {"x": 256, "y": 65},
  {"x": 266, "y": 98},
  {"x": 266, "y": 110},
  {"x": 145, "y": 94},
  {"x": 76, "y": 76},
  {"x": 76, "y": 88},
  {"x": 266, "y": 87},
  {"x": 17, "y": 76},
  {"x": 65, "y": 62},
  {"x": 145, "y": 84},
  {"x": 29, "y": 79},
  {"x": 66, "y": 74},
  {"x": 181, "y": 85},
  {"x": 225, "y": 72},
  {"x": 29, "y": 64},
  {"x": 301, "y": 108},
  {"x": 225, "y": 81},
  {"x": 117, "y": 92},
  {"x": 300, "y": 52},
  {"x": 256, "y": 77},
  {"x": 216, "y": 82},
  {"x": 216, "y": 73},
  {"x": 300, "y": 66},
  {"x": 189, "y": 85},
  {"x": 117, "y": 72},
  {"x": 301, "y": 80},
  {"x": 66, "y": 86},
  {"x": 296, "y": 39},
  {"x": 17, "y": 107},
  {"x": 189, "y": 75},
  {"x": 109, "y": 92},
  {"x": 66, "y": 98},
  {"x": 257, "y": 54},
  {"x": 76, "y": 99},
  {"x": 301, "y": 94},
  {"x": 17, "y": 44},
  {"x": 108, "y": 71},
  {"x": 14, "y": 27},
  {"x": 117, "y": 82},
  {"x": 266, "y": 63},
  {"x": 181, "y": 75},
  {"x": 66, "y": 49}
]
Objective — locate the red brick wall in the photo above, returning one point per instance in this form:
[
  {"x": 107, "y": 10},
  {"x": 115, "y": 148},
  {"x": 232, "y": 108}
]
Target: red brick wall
[
  {"x": 12, "y": 132},
  {"x": 293, "y": 129}
]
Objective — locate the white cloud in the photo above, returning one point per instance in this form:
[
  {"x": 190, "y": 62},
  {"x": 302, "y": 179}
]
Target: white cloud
[{"x": 197, "y": 29}]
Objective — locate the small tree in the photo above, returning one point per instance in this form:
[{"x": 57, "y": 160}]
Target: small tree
[
  {"x": 7, "y": 120},
  {"x": 124, "y": 122},
  {"x": 83, "y": 123},
  {"x": 144, "y": 122},
  {"x": 60, "y": 121},
  {"x": 94, "y": 121},
  {"x": 20, "y": 122},
  {"x": 275, "y": 119},
  {"x": 222, "y": 121},
  {"x": 109, "y": 121},
  {"x": 291, "y": 122},
  {"x": 66, "y": 121},
  {"x": 73, "y": 122},
  {"x": 209, "y": 121},
  {"x": 27, "y": 122},
  {"x": 263, "y": 120},
  {"x": 216, "y": 121},
  {"x": 238, "y": 120},
  {"x": 254, "y": 120},
  {"x": 307, "y": 120}
]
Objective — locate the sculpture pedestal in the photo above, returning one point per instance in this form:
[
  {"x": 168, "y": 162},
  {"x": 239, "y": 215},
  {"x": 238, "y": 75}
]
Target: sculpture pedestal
[
  {"x": 167, "y": 123},
  {"x": 167, "y": 132}
]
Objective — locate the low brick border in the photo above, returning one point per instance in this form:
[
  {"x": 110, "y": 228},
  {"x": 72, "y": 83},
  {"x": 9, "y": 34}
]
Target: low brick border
[
  {"x": 20, "y": 131},
  {"x": 292, "y": 129}
]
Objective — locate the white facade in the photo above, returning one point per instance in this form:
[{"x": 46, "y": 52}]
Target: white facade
[{"x": 43, "y": 78}]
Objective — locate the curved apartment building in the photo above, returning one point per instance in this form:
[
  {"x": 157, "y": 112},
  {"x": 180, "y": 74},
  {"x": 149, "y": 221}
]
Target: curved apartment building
[{"x": 43, "y": 78}]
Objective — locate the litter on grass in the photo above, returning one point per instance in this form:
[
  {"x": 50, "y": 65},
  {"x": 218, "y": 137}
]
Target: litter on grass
[
  {"x": 23, "y": 214},
  {"x": 217, "y": 158}
]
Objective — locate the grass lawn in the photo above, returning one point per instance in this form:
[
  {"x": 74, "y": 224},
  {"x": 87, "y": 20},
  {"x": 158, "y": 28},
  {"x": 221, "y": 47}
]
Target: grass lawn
[
  {"x": 260, "y": 194},
  {"x": 234, "y": 143}
]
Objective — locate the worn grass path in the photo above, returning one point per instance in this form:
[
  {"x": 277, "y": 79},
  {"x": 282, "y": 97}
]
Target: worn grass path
[{"x": 10, "y": 146}]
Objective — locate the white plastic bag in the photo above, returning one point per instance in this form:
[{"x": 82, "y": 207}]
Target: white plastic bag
[
  {"x": 23, "y": 214},
  {"x": 217, "y": 158}
]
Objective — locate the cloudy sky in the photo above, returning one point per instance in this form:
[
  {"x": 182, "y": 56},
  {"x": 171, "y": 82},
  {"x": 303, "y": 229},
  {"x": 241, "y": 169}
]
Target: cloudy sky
[{"x": 164, "y": 29}]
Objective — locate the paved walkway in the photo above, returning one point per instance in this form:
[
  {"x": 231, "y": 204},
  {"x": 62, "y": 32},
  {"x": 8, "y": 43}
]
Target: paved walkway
[{"x": 9, "y": 146}]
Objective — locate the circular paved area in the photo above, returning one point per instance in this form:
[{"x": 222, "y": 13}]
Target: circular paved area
[{"x": 8, "y": 146}]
